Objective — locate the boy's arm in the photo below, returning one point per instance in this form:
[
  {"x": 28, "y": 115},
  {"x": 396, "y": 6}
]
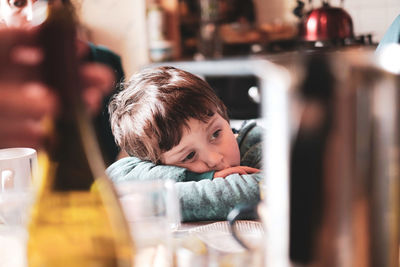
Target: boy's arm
[
  {"x": 214, "y": 199},
  {"x": 134, "y": 169},
  {"x": 201, "y": 197}
]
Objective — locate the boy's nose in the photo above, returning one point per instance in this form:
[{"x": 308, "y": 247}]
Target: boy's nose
[{"x": 213, "y": 160}]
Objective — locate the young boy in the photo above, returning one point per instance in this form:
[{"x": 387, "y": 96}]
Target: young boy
[{"x": 174, "y": 126}]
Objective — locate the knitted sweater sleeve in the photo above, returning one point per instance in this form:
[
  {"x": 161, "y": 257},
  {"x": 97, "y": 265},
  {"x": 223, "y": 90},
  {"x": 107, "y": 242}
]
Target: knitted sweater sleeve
[
  {"x": 134, "y": 169},
  {"x": 200, "y": 196},
  {"x": 214, "y": 199}
]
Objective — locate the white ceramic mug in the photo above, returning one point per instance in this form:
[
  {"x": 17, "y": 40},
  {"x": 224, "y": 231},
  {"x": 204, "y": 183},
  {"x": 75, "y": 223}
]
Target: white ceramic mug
[{"x": 17, "y": 166}]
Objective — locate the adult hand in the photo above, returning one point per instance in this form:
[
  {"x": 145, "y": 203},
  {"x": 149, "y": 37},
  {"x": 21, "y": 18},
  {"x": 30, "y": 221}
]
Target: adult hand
[
  {"x": 22, "y": 109},
  {"x": 237, "y": 169},
  {"x": 25, "y": 101},
  {"x": 98, "y": 80}
]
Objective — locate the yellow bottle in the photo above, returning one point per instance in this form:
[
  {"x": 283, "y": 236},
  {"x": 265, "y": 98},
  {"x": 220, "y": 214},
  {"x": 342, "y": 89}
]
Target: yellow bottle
[{"x": 76, "y": 219}]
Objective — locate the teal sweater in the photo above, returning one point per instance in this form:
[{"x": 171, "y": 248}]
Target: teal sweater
[
  {"x": 202, "y": 197},
  {"x": 392, "y": 35}
]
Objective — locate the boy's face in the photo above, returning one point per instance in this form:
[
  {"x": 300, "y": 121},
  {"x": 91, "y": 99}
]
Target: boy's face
[{"x": 204, "y": 147}]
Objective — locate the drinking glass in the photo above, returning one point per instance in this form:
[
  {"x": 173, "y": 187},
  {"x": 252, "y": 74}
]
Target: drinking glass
[{"x": 152, "y": 211}]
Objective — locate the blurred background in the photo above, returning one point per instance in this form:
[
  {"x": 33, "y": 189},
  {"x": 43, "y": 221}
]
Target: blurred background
[{"x": 122, "y": 25}]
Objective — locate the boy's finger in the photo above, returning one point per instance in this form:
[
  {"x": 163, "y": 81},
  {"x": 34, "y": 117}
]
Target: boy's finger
[{"x": 251, "y": 169}]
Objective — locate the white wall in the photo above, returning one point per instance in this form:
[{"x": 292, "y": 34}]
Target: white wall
[
  {"x": 369, "y": 16},
  {"x": 372, "y": 16},
  {"x": 119, "y": 25}
]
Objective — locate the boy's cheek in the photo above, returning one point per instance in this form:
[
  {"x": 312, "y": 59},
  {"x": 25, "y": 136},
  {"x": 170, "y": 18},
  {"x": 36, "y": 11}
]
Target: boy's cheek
[{"x": 235, "y": 161}]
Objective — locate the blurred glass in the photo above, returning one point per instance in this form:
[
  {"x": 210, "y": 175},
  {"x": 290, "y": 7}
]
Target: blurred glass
[
  {"x": 341, "y": 165},
  {"x": 153, "y": 213},
  {"x": 212, "y": 244},
  {"x": 13, "y": 246}
]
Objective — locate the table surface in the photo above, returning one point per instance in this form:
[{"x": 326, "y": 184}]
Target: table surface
[
  {"x": 202, "y": 244},
  {"x": 188, "y": 249}
]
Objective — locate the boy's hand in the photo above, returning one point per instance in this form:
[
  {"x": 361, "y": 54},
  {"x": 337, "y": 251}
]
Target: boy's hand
[{"x": 237, "y": 169}]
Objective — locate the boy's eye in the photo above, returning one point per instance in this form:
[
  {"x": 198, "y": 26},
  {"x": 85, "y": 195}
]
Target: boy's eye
[
  {"x": 18, "y": 3},
  {"x": 189, "y": 156},
  {"x": 216, "y": 134}
]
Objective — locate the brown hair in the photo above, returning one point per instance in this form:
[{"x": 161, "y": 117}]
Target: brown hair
[{"x": 149, "y": 115}]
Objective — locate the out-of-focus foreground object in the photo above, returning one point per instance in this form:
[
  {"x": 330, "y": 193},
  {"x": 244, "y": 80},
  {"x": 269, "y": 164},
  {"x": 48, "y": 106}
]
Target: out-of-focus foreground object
[
  {"x": 344, "y": 178},
  {"x": 76, "y": 219}
]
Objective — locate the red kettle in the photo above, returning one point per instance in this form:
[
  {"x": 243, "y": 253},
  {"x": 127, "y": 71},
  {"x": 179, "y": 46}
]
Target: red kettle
[{"x": 326, "y": 23}]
